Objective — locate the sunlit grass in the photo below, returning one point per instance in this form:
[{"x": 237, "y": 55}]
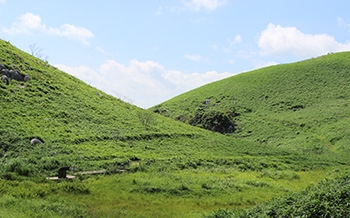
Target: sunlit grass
[
  {"x": 292, "y": 132},
  {"x": 188, "y": 193}
]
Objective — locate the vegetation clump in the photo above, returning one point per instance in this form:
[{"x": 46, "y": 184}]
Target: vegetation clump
[{"x": 215, "y": 121}]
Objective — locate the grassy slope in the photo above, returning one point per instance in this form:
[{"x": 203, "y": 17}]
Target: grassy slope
[
  {"x": 68, "y": 115},
  {"x": 169, "y": 163},
  {"x": 329, "y": 199},
  {"x": 303, "y": 106}
]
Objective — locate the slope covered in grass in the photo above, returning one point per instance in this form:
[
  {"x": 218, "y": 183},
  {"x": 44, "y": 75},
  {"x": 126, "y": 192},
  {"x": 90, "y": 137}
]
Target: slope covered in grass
[
  {"x": 77, "y": 123},
  {"x": 331, "y": 198},
  {"x": 303, "y": 106},
  {"x": 170, "y": 168},
  {"x": 82, "y": 126}
]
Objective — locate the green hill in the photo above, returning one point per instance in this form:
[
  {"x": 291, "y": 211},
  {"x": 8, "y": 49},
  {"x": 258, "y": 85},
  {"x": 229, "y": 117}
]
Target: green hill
[
  {"x": 70, "y": 116},
  {"x": 157, "y": 166},
  {"x": 302, "y": 106}
]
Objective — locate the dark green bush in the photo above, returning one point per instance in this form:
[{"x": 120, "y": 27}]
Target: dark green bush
[{"x": 213, "y": 120}]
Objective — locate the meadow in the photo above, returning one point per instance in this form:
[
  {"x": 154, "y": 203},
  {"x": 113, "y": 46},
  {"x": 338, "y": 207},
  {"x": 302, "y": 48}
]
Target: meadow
[{"x": 288, "y": 137}]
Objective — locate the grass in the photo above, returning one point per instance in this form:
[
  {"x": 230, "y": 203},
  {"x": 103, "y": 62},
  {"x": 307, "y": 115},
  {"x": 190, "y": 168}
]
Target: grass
[
  {"x": 329, "y": 199},
  {"x": 181, "y": 193},
  {"x": 33, "y": 199},
  {"x": 289, "y": 102},
  {"x": 288, "y": 135}
]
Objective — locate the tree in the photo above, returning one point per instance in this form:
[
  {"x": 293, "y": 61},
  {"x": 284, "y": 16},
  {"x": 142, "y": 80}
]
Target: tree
[
  {"x": 37, "y": 52},
  {"x": 146, "y": 118}
]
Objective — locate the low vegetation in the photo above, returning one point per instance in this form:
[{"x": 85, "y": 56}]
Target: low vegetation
[
  {"x": 251, "y": 140},
  {"x": 302, "y": 106},
  {"x": 331, "y": 198}
]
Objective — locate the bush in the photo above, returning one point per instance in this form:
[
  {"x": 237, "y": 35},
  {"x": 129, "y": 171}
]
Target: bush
[
  {"x": 213, "y": 120},
  {"x": 146, "y": 118},
  {"x": 19, "y": 167}
]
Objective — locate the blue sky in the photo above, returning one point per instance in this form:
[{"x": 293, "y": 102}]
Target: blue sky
[{"x": 146, "y": 52}]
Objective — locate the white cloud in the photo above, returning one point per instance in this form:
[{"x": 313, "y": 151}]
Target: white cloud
[
  {"x": 276, "y": 40},
  {"x": 260, "y": 64},
  {"x": 29, "y": 23},
  {"x": 197, "y": 5},
  {"x": 193, "y": 57},
  {"x": 146, "y": 83},
  {"x": 231, "y": 43},
  {"x": 71, "y": 31},
  {"x": 82, "y": 72},
  {"x": 26, "y": 23},
  {"x": 101, "y": 50},
  {"x": 193, "y": 80},
  {"x": 235, "y": 41}
]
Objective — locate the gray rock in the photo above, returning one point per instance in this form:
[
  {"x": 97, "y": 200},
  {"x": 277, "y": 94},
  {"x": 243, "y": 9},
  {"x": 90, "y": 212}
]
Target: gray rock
[
  {"x": 16, "y": 75},
  {"x": 5, "y": 79},
  {"x": 6, "y": 72},
  {"x": 35, "y": 141},
  {"x": 26, "y": 78},
  {"x": 206, "y": 101}
]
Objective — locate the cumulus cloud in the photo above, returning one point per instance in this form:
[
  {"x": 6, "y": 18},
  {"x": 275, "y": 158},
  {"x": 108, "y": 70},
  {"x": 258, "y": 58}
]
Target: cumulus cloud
[
  {"x": 197, "y": 5},
  {"x": 146, "y": 83},
  {"x": 26, "y": 23},
  {"x": 193, "y": 57},
  {"x": 83, "y": 72},
  {"x": 276, "y": 39},
  {"x": 29, "y": 23}
]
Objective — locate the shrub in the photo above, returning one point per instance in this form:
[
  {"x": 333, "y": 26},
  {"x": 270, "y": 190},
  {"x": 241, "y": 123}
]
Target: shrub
[
  {"x": 19, "y": 166},
  {"x": 213, "y": 120},
  {"x": 146, "y": 118}
]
